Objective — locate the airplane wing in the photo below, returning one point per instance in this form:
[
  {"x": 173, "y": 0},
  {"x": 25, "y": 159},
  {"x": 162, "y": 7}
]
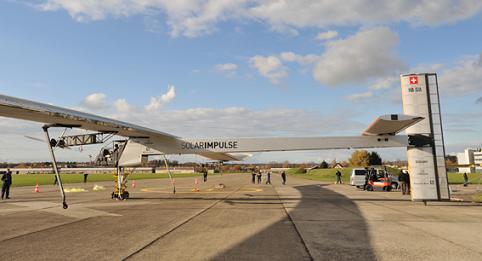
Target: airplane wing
[
  {"x": 12, "y": 107},
  {"x": 39, "y": 112}
]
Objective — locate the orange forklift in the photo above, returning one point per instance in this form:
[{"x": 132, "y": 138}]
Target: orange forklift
[{"x": 379, "y": 181}]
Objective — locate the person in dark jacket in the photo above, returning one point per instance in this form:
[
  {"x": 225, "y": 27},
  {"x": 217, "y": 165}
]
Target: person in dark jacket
[
  {"x": 404, "y": 182},
  {"x": 407, "y": 178},
  {"x": 259, "y": 175},
  {"x": 338, "y": 177},
  {"x": 205, "y": 173},
  {"x": 253, "y": 176},
  {"x": 367, "y": 176},
  {"x": 283, "y": 177},
  {"x": 268, "y": 178},
  {"x": 7, "y": 182},
  {"x": 466, "y": 179}
]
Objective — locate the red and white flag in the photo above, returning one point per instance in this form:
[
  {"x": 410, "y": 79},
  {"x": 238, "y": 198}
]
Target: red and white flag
[{"x": 413, "y": 79}]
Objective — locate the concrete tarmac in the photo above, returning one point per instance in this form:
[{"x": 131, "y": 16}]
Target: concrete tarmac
[{"x": 303, "y": 220}]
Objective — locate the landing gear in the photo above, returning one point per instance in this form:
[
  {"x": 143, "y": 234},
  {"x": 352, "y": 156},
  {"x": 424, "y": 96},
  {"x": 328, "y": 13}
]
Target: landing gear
[
  {"x": 120, "y": 187},
  {"x": 124, "y": 195}
]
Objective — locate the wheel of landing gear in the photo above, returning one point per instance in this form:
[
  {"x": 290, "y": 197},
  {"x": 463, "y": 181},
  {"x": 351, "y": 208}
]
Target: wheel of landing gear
[{"x": 369, "y": 187}]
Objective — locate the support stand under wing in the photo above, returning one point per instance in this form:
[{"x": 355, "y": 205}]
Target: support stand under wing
[{"x": 55, "y": 167}]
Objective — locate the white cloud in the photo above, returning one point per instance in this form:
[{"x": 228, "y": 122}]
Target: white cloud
[
  {"x": 227, "y": 68},
  {"x": 157, "y": 102},
  {"x": 357, "y": 59},
  {"x": 122, "y": 105},
  {"x": 308, "y": 59},
  {"x": 366, "y": 55},
  {"x": 244, "y": 122},
  {"x": 315, "y": 13},
  {"x": 385, "y": 83},
  {"x": 361, "y": 97},
  {"x": 192, "y": 18},
  {"x": 327, "y": 35},
  {"x": 465, "y": 77},
  {"x": 270, "y": 67},
  {"x": 95, "y": 101}
]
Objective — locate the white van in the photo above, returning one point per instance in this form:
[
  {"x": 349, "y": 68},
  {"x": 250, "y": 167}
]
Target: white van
[{"x": 357, "y": 177}]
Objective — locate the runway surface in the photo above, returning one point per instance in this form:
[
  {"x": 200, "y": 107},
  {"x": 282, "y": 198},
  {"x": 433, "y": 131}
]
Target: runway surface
[{"x": 303, "y": 220}]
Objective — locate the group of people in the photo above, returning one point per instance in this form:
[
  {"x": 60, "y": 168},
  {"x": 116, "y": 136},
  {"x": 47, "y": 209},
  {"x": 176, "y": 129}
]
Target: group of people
[
  {"x": 7, "y": 182},
  {"x": 256, "y": 175}
]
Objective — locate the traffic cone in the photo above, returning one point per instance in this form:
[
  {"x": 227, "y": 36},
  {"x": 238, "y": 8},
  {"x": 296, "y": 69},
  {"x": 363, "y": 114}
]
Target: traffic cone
[
  {"x": 196, "y": 182},
  {"x": 37, "y": 188},
  {"x": 133, "y": 184}
]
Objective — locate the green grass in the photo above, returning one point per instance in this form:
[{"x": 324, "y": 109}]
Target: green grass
[
  {"x": 458, "y": 178},
  {"x": 328, "y": 175},
  {"x": 48, "y": 179}
]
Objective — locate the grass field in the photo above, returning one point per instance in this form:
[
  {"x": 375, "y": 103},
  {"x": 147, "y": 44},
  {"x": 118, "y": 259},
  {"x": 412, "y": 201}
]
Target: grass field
[
  {"x": 328, "y": 175},
  {"x": 48, "y": 179}
]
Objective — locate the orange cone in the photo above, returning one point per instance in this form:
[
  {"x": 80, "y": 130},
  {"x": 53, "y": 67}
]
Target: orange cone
[
  {"x": 196, "y": 182},
  {"x": 133, "y": 184},
  {"x": 37, "y": 188}
]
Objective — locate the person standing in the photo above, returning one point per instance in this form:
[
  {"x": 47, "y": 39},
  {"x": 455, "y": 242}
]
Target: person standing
[
  {"x": 407, "y": 180},
  {"x": 205, "y": 173},
  {"x": 268, "y": 178},
  {"x": 402, "y": 181},
  {"x": 466, "y": 179},
  {"x": 259, "y": 177},
  {"x": 367, "y": 175},
  {"x": 253, "y": 177},
  {"x": 86, "y": 175},
  {"x": 338, "y": 177},
  {"x": 7, "y": 182},
  {"x": 283, "y": 177}
]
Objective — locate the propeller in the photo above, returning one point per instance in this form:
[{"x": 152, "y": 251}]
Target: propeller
[
  {"x": 60, "y": 143},
  {"x": 33, "y": 138}
]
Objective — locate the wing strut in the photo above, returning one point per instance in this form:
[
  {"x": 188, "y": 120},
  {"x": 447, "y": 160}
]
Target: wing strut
[
  {"x": 169, "y": 172},
  {"x": 54, "y": 163}
]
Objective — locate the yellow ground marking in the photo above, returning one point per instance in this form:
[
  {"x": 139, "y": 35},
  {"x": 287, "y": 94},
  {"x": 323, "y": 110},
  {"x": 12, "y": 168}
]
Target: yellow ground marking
[
  {"x": 168, "y": 190},
  {"x": 73, "y": 190}
]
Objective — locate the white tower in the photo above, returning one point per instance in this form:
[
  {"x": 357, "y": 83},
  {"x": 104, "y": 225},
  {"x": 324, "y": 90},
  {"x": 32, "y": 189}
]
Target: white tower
[{"x": 426, "y": 152}]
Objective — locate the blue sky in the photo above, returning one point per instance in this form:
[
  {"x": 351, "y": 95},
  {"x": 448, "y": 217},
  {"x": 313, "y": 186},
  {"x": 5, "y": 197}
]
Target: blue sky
[{"x": 240, "y": 68}]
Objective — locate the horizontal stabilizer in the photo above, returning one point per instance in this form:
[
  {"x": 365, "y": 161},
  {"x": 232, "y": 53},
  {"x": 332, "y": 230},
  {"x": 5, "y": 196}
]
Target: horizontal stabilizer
[{"x": 391, "y": 124}]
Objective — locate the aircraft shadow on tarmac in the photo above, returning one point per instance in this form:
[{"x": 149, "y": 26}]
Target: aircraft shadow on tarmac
[{"x": 331, "y": 228}]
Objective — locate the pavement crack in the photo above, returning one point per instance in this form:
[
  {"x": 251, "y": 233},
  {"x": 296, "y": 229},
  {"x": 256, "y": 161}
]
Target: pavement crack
[{"x": 180, "y": 225}]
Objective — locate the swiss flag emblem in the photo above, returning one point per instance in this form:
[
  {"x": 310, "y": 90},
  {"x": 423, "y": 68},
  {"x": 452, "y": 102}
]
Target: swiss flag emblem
[{"x": 413, "y": 79}]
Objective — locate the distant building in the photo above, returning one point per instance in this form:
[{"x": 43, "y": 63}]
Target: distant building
[
  {"x": 338, "y": 166},
  {"x": 471, "y": 159}
]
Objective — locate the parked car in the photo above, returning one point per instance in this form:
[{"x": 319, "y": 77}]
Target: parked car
[{"x": 357, "y": 177}]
